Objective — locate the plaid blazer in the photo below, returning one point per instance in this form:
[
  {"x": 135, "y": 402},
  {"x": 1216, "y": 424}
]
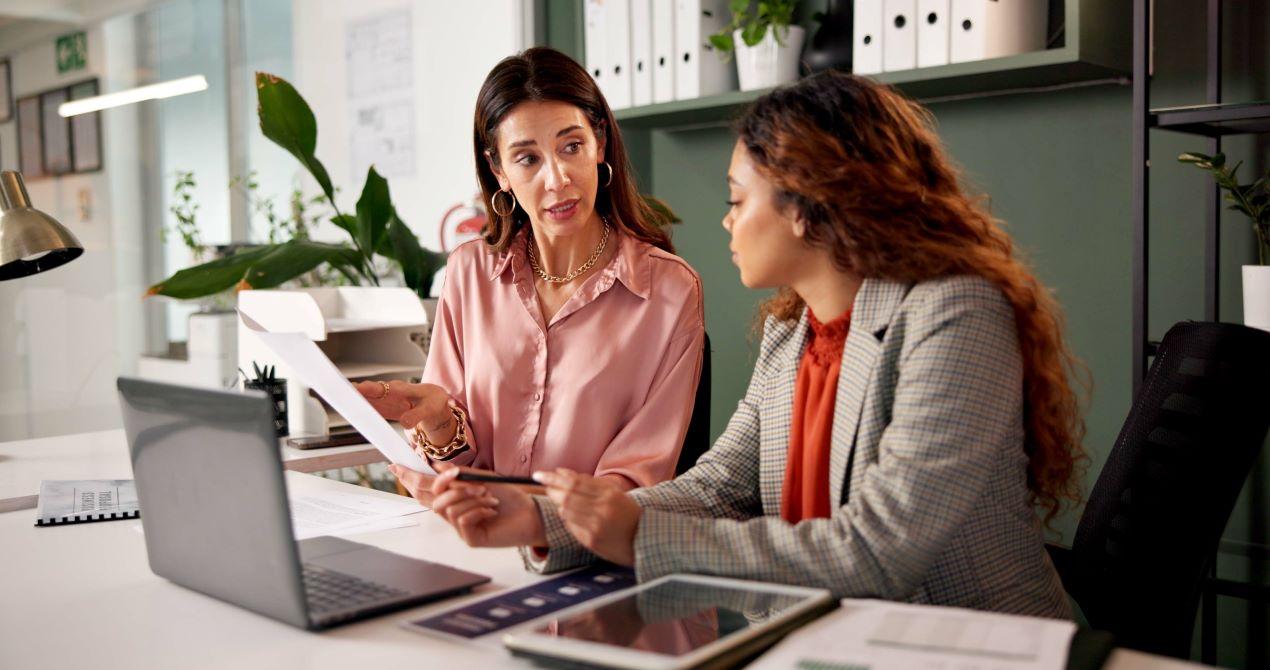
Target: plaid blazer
[{"x": 927, "y": 466}]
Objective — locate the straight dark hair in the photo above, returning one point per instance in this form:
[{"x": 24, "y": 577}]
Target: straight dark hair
[{"x": 542, "y": 74}]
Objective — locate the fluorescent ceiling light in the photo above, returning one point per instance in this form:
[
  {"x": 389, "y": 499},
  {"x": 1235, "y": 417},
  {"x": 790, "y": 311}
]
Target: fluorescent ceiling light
[{"x": 166, "y": 89}]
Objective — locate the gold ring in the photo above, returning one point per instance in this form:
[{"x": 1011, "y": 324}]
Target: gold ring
[{"x": 386, "y": 390}]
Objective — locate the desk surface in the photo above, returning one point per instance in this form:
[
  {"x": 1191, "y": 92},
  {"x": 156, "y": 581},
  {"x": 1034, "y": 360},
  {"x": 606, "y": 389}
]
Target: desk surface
[
  {"x": 83, "y": 596},
  {"x": 104, "y": 455}
]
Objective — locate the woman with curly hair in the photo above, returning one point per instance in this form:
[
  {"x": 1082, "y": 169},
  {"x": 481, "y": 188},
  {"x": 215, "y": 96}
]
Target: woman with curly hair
[{"x": 910, "y": 409}]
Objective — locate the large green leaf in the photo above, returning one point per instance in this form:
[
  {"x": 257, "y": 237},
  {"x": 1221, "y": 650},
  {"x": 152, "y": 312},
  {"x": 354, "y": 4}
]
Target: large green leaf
[
  {"x": 374, "y": 209},
  {"x": 348, "y": 223},
  {"x": 211, "y": 277},
  {"x": 287, "y": 120},
  {"x": 287, "y": 261},
  {"x": 418, "y": 265}
]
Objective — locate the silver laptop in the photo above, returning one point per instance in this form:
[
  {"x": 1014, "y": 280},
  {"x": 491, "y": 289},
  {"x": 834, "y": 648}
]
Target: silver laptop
[{"x": 216, "y": 520}]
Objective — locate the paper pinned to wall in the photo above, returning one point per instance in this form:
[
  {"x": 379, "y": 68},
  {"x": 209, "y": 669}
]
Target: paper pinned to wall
[
  {"x": 317, "y": 371},
  {"x": 379, "y": 62}
]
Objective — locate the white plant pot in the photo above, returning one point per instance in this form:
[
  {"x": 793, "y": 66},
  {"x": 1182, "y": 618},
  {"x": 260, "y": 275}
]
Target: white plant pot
[
  {"x": 1257, "y": 296},
  {"x": 767, "y": 63}
]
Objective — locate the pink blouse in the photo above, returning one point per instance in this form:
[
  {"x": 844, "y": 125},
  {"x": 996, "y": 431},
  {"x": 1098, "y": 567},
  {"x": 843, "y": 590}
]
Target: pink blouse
[{"x": 606, "y": 387}]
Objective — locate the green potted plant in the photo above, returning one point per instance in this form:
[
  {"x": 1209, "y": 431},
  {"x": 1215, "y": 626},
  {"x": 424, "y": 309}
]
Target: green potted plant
[
  {"x": 1253, "y": 201},
  {"x": 767, "y": 46},
  {"x": 266, "y": 380},
  {"x": 374, "y": 228}
]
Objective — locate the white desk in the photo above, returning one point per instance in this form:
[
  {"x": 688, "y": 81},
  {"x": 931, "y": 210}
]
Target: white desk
[
  {"x": 83, "y": 596},
  {"x": 104, "y": 455}
]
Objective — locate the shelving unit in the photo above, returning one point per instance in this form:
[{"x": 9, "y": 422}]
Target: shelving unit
[
  {"x": 1089, "y": 53},
  {"x": 368, "y": 333},
  {"x": 1212, "y": 120}
]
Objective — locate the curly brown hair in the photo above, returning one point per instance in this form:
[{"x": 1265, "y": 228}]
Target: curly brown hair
[{"x": 863, "y": 167}]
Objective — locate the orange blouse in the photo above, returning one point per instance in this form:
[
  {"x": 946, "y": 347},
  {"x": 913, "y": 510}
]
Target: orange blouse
[{"x": 805, "y": 494}]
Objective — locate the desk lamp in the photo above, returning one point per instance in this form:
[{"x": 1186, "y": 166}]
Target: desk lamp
[{"x": 30, "y": 240}]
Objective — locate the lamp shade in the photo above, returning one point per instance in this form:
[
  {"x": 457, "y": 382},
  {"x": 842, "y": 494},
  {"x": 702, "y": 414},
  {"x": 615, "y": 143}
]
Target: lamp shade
[{"x": 30, "y": 240}]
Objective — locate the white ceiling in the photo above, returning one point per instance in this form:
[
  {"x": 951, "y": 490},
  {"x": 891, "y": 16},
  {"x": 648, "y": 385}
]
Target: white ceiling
[{"x": 25, "y": 22}]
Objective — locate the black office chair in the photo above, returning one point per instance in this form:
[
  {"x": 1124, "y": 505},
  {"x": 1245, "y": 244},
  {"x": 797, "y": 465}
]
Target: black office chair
[
  {"x": 697, "y": 441},
  {"x": 1148, "y": 535}
]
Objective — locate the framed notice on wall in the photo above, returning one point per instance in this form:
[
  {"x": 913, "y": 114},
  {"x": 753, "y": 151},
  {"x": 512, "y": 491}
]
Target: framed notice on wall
[
  {"x": 30, "y": 142},
  {"x": 85, "y": 131},
  {"x": 56, "y": 132},
  {"x": 6, "y": 91}
]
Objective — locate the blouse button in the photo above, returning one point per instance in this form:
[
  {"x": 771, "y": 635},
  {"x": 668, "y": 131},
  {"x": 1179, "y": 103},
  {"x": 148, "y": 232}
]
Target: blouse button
[
  {"x": 537, "y": 397},
  {"x": 524, "y": 458}
]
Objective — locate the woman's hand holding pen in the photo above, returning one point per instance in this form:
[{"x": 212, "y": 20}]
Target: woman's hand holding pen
[
  {"x": 494, "y": 515},
  {"x": 600, "y": 515}
]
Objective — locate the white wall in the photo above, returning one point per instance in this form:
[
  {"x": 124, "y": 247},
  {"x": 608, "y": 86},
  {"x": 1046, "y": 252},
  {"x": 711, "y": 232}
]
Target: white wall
[
  {"x": 455, "y": 45},
  {"x": 64, "y": 333}
]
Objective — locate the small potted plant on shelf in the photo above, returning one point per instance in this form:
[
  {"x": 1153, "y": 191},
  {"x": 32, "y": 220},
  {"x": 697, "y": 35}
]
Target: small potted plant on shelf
[
  {"x": 767, "y": 47},
  {"x": 1253, "y": 200},
  {"x": 266, "y": 380}
]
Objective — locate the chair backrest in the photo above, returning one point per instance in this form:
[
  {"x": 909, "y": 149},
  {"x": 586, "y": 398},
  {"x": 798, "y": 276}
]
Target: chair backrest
[
  {"x": 697, "y": 441},
  {"x": 1162, "y": 501}
]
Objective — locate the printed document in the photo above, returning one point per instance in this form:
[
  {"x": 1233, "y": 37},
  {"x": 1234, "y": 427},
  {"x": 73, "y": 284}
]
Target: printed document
[
  {"x": 881, "y": 635},
  {"x": 308, "y": 362}
]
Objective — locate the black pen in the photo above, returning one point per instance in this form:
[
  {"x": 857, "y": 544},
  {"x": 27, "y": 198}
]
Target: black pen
[{"x": 495, "y": 479}]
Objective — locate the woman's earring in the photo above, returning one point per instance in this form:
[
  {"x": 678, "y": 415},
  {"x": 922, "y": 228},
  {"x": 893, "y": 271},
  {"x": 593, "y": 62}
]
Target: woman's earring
[
  {"x": 493, "y": 203},
  {"x": 610, "y": 179}
]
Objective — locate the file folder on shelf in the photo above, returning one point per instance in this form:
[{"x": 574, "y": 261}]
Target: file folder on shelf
[
  {"x": 617, "y": 51},
  {"x": 866, "y": 39},
  {"x": 932, "y": 32},
  {"x": 663, "y": 61},
  {"x": 992, "y": 28},
  {"x": 594, "y": 39},
  {"x": 699, "y": 70},
  {"x": 899, "y": 35},
  {"x": 641, "y": 52}
]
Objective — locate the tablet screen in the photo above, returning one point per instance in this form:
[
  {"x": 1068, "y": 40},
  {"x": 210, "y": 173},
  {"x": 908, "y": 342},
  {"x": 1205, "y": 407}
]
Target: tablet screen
[{"x": 673, "y": 618}]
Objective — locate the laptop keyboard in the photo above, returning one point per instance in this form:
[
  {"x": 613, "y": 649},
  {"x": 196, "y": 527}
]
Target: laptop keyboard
[{"x": 328, "y": 590}]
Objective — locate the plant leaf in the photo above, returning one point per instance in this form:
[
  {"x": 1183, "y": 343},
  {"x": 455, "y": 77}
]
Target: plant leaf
[
  {"x": 287, "y": 120},
  {"x": 374, "y": 209},
  {"x": 287, "y": 261},
  {"x": 722, "y": 42},
  {"x": 418, "y": 265},
  {"x": 1195, "y": 158},
  {"x": 753, "y": 33},
  {"x": 211, "y": 277}
]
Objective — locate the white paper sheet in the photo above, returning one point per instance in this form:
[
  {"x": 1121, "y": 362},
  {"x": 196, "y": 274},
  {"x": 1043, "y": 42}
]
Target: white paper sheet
[
  {"x": 881, "y": 635},
  {"x": 340, "y": 513},
  {"x": 320, "y": 374}
]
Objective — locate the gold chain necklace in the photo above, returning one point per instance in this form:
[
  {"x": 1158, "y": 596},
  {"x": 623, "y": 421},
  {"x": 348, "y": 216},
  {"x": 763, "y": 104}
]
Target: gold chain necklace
[{"x": 542, "y": 274}]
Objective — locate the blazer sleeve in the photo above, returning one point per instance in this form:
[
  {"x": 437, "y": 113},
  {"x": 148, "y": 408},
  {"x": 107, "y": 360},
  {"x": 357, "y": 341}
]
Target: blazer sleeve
[{"x": 957, "y": 398}]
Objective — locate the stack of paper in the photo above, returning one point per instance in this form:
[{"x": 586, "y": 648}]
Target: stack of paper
[
  {"x": 881, "y": 635},
  {"x": 348, "y": 513}
]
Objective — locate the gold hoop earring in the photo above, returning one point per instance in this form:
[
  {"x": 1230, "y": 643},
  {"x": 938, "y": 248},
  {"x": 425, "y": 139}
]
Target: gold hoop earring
[
  {"x": 610, "y": 167},
  {"x": 493, "y": 203}
]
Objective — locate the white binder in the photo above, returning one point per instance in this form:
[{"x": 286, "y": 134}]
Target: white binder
[
  {"x": 663, "y": 50},
  {"x": 993, "y": 28},
  {"x": 699, "y": 70},
  {"x": 641, "y": 52},
  {"x": 899, "y": 35},
  {"x": 866, "y": 40},
  {"x": 594, "y": 39},
  {"x": 617, "y": 51},
  {"x": 932, "y": 32}
]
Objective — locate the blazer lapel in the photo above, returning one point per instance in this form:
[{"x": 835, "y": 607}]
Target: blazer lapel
[
  {"x": 875, "y": 305},
  {"x": 775, "y": 415}
]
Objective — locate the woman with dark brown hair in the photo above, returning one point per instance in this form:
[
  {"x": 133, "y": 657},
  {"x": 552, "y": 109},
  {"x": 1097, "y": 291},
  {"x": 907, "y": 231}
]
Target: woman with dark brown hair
[
  {"x": 570, "y": 335},
  {"x": 910, "y": 409}
]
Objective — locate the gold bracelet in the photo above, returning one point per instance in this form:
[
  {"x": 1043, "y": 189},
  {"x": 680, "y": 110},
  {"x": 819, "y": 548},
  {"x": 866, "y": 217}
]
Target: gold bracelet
[{"x": 456, "y": 445}]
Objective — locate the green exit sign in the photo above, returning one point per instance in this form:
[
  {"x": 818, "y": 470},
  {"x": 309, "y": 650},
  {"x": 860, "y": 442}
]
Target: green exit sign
[{"x": 72, "y": 52}]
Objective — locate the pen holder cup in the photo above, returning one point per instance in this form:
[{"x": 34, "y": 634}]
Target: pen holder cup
[{"x": 277, "y": 392}]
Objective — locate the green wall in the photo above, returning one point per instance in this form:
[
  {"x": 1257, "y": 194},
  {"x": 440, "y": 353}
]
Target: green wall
[{"x": 1055, "y": 166}]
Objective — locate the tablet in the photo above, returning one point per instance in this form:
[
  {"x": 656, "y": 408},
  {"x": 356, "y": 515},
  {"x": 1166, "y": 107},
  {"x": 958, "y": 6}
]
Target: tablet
[{"x": 677, "y": 621}]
